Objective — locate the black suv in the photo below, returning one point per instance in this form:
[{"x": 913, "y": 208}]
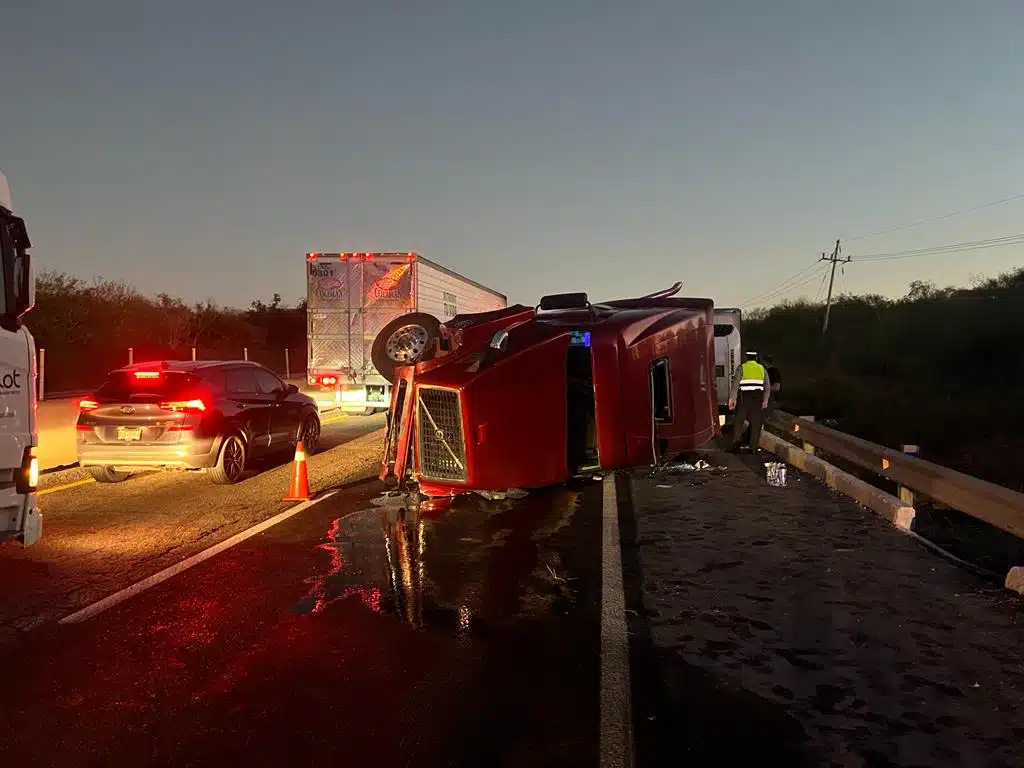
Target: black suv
[{"x": 203, "y": 415}]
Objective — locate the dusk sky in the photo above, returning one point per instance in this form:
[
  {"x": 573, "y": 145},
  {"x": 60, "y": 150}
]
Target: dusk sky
[{"x": 202, "y": 148}]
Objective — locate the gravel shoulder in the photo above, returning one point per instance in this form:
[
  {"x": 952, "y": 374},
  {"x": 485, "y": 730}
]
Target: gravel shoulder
[{"x": 792, "y": 623}]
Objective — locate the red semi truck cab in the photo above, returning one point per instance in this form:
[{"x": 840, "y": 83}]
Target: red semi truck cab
[{"x": 532, "y": 397}]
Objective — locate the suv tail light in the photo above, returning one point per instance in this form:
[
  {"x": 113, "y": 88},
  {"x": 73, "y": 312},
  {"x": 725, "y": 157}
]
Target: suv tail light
[
  {"x": 88, "y": 405},
  {"x": 147, "y": 374},
  {"x": 28, "y": 477},
  {"x": 184, "y": 406}
]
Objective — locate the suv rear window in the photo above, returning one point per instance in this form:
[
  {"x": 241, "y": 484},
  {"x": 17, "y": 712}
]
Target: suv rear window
[{"x": 125, "y": 385}]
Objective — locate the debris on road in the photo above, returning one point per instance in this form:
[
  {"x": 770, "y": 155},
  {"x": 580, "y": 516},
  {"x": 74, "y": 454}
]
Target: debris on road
[{"x": 775, "y": 472}]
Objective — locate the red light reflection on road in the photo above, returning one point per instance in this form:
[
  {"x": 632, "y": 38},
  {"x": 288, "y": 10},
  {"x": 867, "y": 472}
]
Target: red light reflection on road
[{"x": 319, "y": 592}]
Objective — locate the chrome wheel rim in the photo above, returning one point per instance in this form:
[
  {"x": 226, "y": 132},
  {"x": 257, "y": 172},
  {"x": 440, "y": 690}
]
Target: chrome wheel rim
[
  {"x": 406, "y": 344},
  {"x": 234, "y": 458},
  {"x": 310, "y": 435}
]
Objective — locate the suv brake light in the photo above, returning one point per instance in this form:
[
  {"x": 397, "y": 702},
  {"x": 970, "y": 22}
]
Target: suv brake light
[
  {"x": 184, "y": 406},
  {"x": 88, "y": 405},
  {"x": 146, "y": 374}
]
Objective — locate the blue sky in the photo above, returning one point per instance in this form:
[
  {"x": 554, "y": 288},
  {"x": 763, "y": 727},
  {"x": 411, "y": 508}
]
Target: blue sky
[{"x": 538, "y": 146}]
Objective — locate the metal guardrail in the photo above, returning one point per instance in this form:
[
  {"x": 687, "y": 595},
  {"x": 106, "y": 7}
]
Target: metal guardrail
[{"x": 986, "y": 501}]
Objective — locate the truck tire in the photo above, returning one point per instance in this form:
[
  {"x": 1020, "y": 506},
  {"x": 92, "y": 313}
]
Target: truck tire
[
  {"x": 107, "y": 475},
  {"x": 406, "y": 340}
]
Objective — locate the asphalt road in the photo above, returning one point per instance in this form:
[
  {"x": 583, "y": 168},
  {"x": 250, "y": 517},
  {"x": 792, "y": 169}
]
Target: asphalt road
[
  {"x": 350, "y": 634},
  {"x": 98, "y": 538},
  {"x": 764, "y": 624}
]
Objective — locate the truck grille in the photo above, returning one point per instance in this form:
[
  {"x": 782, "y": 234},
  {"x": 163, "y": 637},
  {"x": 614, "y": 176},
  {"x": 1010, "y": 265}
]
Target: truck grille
[{"x": 441, "y": 444}]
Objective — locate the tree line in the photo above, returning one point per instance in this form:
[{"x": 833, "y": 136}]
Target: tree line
[
  {"x": 938, "y": 367},
  {"x": 87, "y": 329}
]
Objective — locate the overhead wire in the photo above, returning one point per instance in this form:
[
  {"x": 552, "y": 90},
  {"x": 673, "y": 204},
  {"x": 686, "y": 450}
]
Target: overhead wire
[
  {"x": 789, "y": 285},
  {"x": 944, "y": 216},
  {"x": 783, "y": 285},
  {"x": 973, "y": 245}
]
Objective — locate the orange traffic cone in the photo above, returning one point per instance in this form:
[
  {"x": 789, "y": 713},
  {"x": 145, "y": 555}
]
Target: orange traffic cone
[{"x": 300, "y": 477}]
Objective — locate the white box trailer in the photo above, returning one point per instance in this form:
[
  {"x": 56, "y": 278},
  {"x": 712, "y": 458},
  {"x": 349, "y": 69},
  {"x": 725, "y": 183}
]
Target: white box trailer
[
  {"x": 728, "y": 346},
  {"x": 352, "y": 296}
]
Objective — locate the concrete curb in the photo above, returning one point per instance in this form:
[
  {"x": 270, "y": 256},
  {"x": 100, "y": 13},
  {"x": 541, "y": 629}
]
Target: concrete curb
[{"x": 881, "y": 503}]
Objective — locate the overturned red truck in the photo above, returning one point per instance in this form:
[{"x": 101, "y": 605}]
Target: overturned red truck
[{"x": 526, "y": 397}]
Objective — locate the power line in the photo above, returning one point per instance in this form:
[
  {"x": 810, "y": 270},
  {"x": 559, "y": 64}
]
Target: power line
[
  {"x": 973, "y": 245},
  {"x": 788, "y": 286},
  {"x": 821, "y": 288},
  {"x": 938, "y": 218},
  {"x": 814, "y": 265}
]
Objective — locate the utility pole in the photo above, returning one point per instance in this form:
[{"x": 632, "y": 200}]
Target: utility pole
[{"x": 834, "y": 258}]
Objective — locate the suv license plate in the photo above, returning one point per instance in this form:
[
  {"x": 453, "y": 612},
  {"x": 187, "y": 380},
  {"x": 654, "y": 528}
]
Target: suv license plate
[{"x": 129, "y": 433}]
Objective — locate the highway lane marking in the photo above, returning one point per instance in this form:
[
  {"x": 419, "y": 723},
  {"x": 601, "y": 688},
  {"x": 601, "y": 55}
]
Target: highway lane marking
[
  {"x": 141, "y": 586},
  {"x": 616, "y": 710},
  {"x": 64, "y": 487}
]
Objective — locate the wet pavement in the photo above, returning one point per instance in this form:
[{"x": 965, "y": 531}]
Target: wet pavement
[
  {"x": 791, "y": 626},
  {"x": 99, "y": 538},
  {"x": 351, "y": 634}
]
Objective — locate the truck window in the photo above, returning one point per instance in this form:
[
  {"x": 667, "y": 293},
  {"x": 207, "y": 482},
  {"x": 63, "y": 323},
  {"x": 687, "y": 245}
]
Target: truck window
[
  {"x": 6, "y": 253},
  {"x": 723, "y": 329},
  {"x": 661, "y": 390}
]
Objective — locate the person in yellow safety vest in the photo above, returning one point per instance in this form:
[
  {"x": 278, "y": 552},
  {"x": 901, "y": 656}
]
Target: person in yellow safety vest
[{"x": 750, "y": 391}]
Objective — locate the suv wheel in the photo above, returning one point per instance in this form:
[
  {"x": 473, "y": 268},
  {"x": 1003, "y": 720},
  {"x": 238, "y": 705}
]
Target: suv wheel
[
  {"x": 231, "y": 462},
  {"x": 309, "y": 433},
  {"x": 107, "y": 475}
]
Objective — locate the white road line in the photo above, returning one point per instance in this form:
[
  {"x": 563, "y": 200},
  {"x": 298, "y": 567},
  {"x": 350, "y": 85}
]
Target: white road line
[
  {"x": 111, "y": 600},
  {"x": 616, "y": 711}
]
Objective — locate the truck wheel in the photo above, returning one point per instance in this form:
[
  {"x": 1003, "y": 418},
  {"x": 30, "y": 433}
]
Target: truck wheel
[
  {"x": 107, "y": 475},
  {"x": 406, "y": 340}
]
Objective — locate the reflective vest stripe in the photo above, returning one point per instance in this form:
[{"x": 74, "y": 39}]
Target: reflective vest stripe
[{"x": 752, "y": 382}]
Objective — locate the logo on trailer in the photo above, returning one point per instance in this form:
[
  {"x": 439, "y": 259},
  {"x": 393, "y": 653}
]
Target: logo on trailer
[
  {"x": 386, "y": 286},
  {"x": 11, "y": 382}
]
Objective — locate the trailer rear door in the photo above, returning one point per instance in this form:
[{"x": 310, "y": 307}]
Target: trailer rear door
[{"x": 351, "y": 297}]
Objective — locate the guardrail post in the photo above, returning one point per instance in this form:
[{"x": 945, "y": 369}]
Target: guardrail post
[
  {"x": 245, "y": 353},
  {"x": 808, "y": 448},
  {"x": 131, "y": 356},
  {"x": 193, "y": 354},
  {"x": 42, "y": 373},
  {"x": 906, "y": 494},
  {"x": 287, "y": 365}
]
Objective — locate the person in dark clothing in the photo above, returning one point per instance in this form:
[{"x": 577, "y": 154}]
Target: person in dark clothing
[
  {"x": 749, "y": 398},
  {"x": 775, "y": 382}
]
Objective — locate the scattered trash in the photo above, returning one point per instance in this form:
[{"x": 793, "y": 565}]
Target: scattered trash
[
  {"x": 776, "y": 473},
  {"x": 511, "y": 493},
  {"x": 681, "y": 467},
  {"x": 685, "y": 466}
]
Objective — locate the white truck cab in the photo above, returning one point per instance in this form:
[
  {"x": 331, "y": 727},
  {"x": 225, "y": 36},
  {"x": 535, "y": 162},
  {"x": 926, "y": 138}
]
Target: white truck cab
[
  {"x": 727, "y": 354},
  {"x": 20, "y": 519}
]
